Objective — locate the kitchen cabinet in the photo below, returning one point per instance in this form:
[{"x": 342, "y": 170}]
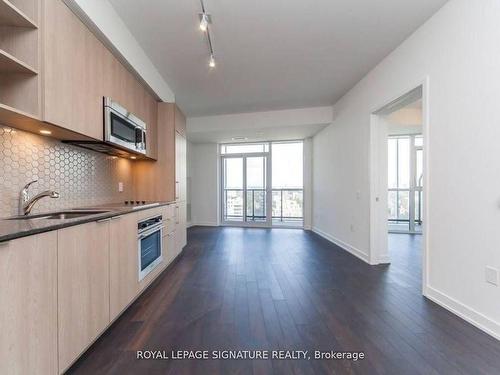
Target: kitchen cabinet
[
  {"x": 155, "y": 181},
  {"x": 180, "y": 227},
  {"x": 73, "y": 72},
  {"x": 180, "y": 167},
  {"x": 123, "y": 267},
  {"x": 79, "y": 71},
  {"x": 28, "y": 300},
  {"x": 83, "y": 287},
  {"x": 181, "y": 191},
  {"x": 169, "y": 248},
  {"x": 62, "y": 289},
  {"x": 54, "y": 73},
  {"x": 19, "y": 60}
]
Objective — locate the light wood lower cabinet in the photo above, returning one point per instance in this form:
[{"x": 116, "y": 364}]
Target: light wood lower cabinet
[
  {"x": 170, "y": 251},
  {"x": 180, "y": 226},
  {"x": 123, "y": 267},
  {"x": 28, "y": 305},
  {"x": 60, "y": 290},
  {"x": 83, "y": 288}
]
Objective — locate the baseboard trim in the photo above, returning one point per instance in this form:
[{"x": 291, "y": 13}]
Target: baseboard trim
[
  {"x": 204, "y": 224},
  {"x": 465, "y": 312},
  {"x": 345, "y": 246},
  {"x": 381, "y": 260}
]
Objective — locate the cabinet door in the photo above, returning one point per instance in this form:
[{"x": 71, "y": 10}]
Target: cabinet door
[
  {"x": 169, "y": 247},
  {"x": 28, "y": 305},
  {"x": 73, "y": 72},
  {"x": 180, "y": 227},
  {"x": 124, "y": 263},
  {"x": 180, "y": 167},
  {"x": 155, "y": 181},
  {"x": 83, "y": 287}
]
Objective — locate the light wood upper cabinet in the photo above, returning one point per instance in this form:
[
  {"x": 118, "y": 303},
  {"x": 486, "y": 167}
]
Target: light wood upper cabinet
[
  {"x": 83, "y": 288},
  {"x": 123, "y": 267},
  {"x": 79, "y": 71},
  {"x": 156, "y": 180},
  {"x": 73, "y": 72},
  {"x": 28, "y": 300}
]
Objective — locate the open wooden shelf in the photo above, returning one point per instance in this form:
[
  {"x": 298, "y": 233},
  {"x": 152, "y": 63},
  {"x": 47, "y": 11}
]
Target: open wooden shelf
[
  {"x": 10, "y": 15},
  {"x": 11, "y": 64}
]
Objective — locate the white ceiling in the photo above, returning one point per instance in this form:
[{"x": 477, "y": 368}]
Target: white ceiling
[{"x": 271, "y": 54}]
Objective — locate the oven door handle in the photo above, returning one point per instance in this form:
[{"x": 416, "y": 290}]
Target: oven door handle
[{"x": 150, "y": 231}]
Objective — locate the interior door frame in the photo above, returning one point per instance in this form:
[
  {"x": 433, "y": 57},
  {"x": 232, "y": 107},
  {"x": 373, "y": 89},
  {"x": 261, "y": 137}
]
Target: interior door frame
[
  {"x": 244, "y": 223},
  {"x": 378, "y": 187}
]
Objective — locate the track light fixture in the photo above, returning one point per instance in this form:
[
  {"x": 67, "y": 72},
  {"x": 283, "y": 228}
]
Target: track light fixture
[{"x": 205, "y": 22}]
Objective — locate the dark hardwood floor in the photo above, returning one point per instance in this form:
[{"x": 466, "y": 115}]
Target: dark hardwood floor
[{"x": 278, "y": 289}]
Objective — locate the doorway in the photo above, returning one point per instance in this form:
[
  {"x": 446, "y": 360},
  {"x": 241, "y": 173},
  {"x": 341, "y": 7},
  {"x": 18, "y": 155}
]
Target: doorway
[
  {"x": 399, "y": 173},
  {"x": 262, "y": 184}
]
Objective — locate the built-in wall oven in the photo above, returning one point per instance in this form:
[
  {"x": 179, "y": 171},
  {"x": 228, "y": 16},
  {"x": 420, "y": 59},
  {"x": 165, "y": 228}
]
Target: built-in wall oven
[{"x": 150, "y": 245}]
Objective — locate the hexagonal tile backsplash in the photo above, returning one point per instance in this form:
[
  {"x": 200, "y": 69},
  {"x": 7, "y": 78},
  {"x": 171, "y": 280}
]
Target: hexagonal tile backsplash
[{"x": 82, "y": 177}]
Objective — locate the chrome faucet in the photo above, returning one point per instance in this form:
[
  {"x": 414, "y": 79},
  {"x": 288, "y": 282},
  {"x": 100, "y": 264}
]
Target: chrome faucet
[{"x": 26, "y": 203}]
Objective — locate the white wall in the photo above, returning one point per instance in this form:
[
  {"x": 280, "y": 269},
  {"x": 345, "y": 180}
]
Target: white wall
[
  {"x": 203, "y": 171},
  {"x": 458, "y": 50}
]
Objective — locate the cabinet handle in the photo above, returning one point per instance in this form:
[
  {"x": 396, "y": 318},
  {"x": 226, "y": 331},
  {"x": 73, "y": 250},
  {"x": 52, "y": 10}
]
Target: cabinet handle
[
  {"x": 5, "y": 243},
  {"x": 116, "y": 217},
  {"x": 104, "y": 220}
]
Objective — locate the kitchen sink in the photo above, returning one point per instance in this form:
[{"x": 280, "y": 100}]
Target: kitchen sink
[{"x": 62, "y": 215}]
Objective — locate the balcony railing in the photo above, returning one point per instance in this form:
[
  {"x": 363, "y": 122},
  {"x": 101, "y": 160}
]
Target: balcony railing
[{"x": 287, "y": 204}]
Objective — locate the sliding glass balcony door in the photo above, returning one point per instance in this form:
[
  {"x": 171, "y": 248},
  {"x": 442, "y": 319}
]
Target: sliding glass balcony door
[
  {"x": 262, "y": 184},
  {"x": 245, "y": 189},
  {"x": 233, "y": 192}
]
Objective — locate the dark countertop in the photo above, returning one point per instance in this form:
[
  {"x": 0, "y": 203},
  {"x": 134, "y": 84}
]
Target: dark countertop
[{"x": 11, "y": 229}]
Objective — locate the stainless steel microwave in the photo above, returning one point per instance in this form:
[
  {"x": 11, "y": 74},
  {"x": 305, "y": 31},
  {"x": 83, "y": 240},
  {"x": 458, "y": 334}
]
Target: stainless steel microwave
[{"x": 123, "y": 129}]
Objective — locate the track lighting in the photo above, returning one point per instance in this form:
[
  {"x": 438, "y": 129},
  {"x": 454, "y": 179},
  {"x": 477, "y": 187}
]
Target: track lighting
[{"x": 204, "y": 22}]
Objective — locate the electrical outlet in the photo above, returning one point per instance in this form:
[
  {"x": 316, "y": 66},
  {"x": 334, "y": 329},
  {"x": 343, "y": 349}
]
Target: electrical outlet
[
  {"x": 491, "y": 275},
  {"x": 358, "y": 195},
  {"x": 120, "y": 187},
  {"x": 352, "y": 227}
]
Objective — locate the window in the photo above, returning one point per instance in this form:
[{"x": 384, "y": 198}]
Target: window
[
  {"x": 244, "y": 148},
  {"x": 247, "y": 195},
  {"x": 405, "y": 180}
]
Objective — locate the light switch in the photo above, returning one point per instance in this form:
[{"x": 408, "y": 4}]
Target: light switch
[
  {"x": 491, "y": 275},
  {"x": 120, "y": 187}
]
